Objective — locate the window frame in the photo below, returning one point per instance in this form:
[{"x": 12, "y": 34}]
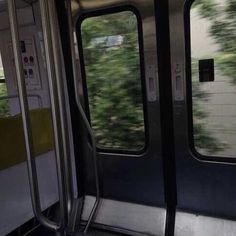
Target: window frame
[
  {"x": 106, "y": 11},
  {"x": 188, "y": 66}
]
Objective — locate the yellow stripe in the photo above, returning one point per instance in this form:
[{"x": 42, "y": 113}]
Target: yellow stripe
[{"x": 12, "y": 146}]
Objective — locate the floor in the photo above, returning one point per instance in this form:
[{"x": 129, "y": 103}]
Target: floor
[
  {"x": 92, "y": 232},
  {"x": 100, "y": 233}
]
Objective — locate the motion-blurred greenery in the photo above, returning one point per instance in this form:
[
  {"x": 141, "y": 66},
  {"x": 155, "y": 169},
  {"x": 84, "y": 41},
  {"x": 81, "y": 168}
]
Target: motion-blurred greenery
[
  {"x": 113, "y": 80},
  {"x": 114, "y": 86},
  {"x": 4, "y": 106},
  {"x": 204, "y": 140},
  {"x": 221, "y": 17}
]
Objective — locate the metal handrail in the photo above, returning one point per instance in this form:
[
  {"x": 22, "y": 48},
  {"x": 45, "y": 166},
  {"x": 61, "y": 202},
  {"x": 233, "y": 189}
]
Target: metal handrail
[
  {"x": 60, "y": 73},
  {"x": 84, "y": 118},
  {"x": 47, "y": 24},
  {"x": 31, "y": 165},
  {"x": 57, "y": 96},
  {"x": 28, "y": 95}
]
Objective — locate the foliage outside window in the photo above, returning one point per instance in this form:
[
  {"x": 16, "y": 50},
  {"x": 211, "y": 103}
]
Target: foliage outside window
[
  {"x": 112, "y": 68},
  {"x": 4, "y": 105},
  {"x": 213, "y": 35}
]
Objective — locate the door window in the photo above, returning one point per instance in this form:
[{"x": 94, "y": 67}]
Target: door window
[{"x": 111, "y": 59}]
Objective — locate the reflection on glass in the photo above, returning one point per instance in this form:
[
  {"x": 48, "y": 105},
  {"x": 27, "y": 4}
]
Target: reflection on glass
[
  {"x": 112, "y": 67},
  {"x": 213, "y": 35}
]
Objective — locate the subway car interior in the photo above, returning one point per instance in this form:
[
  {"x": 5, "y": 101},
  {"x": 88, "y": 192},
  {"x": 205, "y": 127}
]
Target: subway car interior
[{"x": 118, "y": 117}]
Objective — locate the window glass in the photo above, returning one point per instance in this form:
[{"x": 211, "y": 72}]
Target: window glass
[
  {"x": 112, "y": 68},
  {"x": 213, "y": 44},
  {"x": 4, "y": 103}
]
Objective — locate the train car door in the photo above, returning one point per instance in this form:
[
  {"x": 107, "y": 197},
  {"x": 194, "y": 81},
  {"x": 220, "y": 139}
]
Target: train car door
[
  {"x": 202, "y": 62},
  {"x": 117, "y": 59}
]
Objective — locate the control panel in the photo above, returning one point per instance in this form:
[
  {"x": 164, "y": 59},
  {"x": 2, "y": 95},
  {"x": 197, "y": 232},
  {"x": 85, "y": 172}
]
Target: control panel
[
  {"x": 30, "y": 64},
  {"x": 35, "y": 73}
]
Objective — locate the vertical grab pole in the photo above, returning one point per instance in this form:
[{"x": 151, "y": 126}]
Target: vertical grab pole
[
  {"x": 31, "y": 165},
  {"x": 59, "y": 65},
  {"x": 84, "y": 118},
  {"x": 53, "y": 88}
]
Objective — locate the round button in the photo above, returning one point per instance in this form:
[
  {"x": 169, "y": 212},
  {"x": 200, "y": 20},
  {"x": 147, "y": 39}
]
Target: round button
[
  {"x": 26, "y": 60},
  {"x": 31, "y": 59}
]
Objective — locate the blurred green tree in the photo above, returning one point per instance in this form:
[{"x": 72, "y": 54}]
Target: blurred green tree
[
  {"x": 222, "y": 19},
  {"x": 114, "y": 85},
  {"x": 204, "y": 141},
  {"x": 4, "y": 106},
  {"x": 112, "y": 64}
]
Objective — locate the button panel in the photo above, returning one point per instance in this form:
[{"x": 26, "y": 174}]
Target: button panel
[{"x": 30, "y": 64}]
